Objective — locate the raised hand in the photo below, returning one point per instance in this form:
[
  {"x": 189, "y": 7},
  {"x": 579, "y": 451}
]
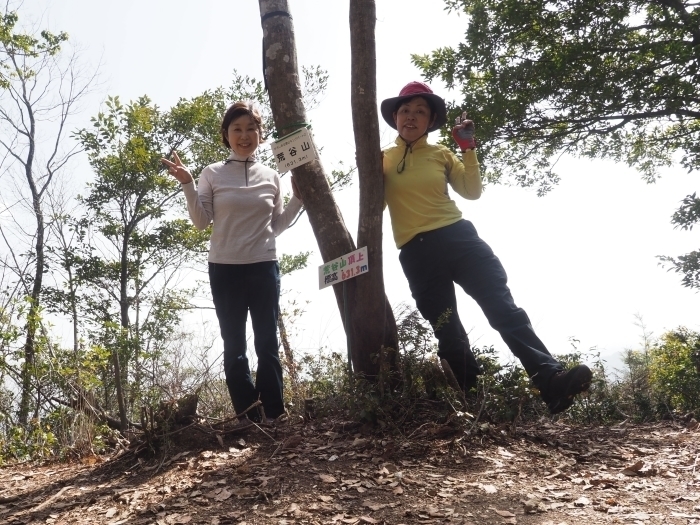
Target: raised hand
[
  {"x": 177, "y": 169},
  {"x": 463, "y": 132}
]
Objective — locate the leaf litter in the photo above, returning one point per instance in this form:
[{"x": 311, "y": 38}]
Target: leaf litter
[{"x": 547, "y": 474}]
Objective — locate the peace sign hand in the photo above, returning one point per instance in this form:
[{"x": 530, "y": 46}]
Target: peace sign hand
[
  {"x": 177, "y": 170},
  {"x": 463, "y": 132}
]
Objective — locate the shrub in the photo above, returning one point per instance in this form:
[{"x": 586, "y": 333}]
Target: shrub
[{"x": 673, "y": 372}]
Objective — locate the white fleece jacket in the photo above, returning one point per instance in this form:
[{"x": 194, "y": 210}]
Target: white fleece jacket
[{"x": 242, "y": 198}]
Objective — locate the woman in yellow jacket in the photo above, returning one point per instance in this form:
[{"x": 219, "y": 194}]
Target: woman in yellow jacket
[{"x": 439, "y": 248}]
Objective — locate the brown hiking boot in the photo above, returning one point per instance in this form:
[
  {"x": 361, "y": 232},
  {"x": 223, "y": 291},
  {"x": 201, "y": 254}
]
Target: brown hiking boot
[{"x": 564, "y": 386}]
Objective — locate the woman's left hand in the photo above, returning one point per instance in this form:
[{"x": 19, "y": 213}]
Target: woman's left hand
[{"x": 295, "y": 190}]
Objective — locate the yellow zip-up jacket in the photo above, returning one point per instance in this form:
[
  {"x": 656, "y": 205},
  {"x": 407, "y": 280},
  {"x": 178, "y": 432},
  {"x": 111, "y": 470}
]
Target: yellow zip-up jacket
[{"x": 418, "y": 197}]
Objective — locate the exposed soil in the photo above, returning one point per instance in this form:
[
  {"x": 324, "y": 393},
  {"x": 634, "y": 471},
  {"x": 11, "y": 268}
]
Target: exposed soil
[{"x": 328, "y": 472}]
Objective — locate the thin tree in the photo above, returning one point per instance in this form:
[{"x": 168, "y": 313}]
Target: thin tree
[
  {"x": 40, "y": 87},
  {"x": 368, "y": 156}
]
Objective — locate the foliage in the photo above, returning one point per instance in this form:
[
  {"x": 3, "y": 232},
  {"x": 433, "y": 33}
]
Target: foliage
[
  {"x": 547, "y": 77},
  {"x": 688, "y": 265},
  {"x": 36, "y": 442},
  {"x": 18, "y": 46},
  {"x": 673, "y": 370},
  {"x": 660, "y": 380},
  {"x": 291, "y": 263},
  {"x": 41, "y": 83}
]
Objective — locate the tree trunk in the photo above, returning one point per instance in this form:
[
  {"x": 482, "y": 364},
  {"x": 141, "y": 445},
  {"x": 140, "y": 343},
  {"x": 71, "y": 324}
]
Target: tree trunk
[
  {"x": 365, "y": 120},
  {"x": 288, "y": 357},
  {"x": 123, "y": 340},
  {"x": 28, "y": 368},
  {"x": 368, "y": 335}
]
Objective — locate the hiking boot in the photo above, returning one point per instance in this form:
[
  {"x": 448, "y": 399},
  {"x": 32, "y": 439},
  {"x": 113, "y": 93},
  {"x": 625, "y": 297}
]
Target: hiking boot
[
  {"x": 242, "y": 423},
  {"x": 277, "y": 421},
  {"x": 564, "y": 385}
]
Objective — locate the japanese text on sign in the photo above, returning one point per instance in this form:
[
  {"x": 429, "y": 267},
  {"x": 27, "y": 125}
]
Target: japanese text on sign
[
  {"x": 294, "y": 150},
  {"x": 343, "y": 268}
]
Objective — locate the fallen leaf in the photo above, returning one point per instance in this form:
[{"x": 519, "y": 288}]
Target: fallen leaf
[
  {"x": 326, "y": 478},
  {"x": 686, "y": 516},
  {"x": 373, "y": 506},
  {"x": 633, "y": 470},
  {"x": 489, "y": 489},
  {"x": 582, "y": 502},
  {"x": 367, "y": 519},
  {"x": 242, "y": 492},
  {"x": 359, "y": 442},
  {"x": 223, "y": 495},
  {"x": 292, "y": 442},
  {"x": 641, "y": 516},
  {"x": 504, "y": 513},
  {"x": 110, "y": 512}
]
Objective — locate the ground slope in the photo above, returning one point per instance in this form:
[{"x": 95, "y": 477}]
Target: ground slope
[{"x": 328, "y": 472}]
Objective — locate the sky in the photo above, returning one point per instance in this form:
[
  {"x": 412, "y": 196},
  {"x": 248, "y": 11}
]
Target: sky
[{"x": 581, "y": 260}]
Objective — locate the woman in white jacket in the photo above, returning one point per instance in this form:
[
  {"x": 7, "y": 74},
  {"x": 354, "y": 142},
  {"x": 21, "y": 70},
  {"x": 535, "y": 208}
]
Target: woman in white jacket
[{"x": 243, "y": 200}]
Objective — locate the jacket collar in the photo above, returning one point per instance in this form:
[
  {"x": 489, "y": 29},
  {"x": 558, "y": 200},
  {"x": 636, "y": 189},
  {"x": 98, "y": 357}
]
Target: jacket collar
[
  {"x": 423, "y": 141},
  {"x": 241, "y": 158}
]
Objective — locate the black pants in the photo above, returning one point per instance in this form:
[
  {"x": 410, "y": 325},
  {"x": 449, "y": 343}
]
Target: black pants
[
  {"x": 238, "y": 289},
  {"x": 433, "y": 262}
]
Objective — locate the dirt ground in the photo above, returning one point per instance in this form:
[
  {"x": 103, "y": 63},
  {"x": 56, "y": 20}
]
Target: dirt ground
[{"x": 327, "y": 472}]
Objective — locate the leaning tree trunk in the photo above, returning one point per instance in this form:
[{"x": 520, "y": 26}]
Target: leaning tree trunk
[{"x": 369, "y": 335}]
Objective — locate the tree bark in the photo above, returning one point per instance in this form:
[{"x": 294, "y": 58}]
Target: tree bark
[
  {"x": 368, "y": 335},
  {"x": 368, "y": 156},
  {"x": 28, "y": 368}
]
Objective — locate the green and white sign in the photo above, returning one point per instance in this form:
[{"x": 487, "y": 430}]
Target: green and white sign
[{"x": 294, "y": 150}]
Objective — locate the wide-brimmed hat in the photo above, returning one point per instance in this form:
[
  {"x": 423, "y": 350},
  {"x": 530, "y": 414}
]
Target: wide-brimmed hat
[{"x": 409, "y": 91}]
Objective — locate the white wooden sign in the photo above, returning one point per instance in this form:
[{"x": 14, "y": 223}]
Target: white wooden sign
[
  {"x": 343, "y": 268},
  {"x": 294, "y": 150}
]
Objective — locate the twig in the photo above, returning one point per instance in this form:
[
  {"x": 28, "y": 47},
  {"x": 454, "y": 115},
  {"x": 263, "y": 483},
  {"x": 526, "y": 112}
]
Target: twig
[
  {"x": 51, "y": 499},
  {"x": 416, "y": 430},
  {"x": 261, "y": 430},
  {"x": 452, "y": 381},
  {"x": 238, "y": 416},
  {"x": 695, "y": 463},
  {"x": 481, "y": 410},
  {"x": 9, "y": 499},
  {"x": 162, "y": 460}
]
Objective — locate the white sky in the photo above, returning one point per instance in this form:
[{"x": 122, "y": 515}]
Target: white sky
[{"x": 581, "y": 261}]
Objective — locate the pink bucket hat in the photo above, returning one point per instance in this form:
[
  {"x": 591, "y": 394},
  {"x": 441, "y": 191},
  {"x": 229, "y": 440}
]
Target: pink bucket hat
[{"x": 409, "y": 91}]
